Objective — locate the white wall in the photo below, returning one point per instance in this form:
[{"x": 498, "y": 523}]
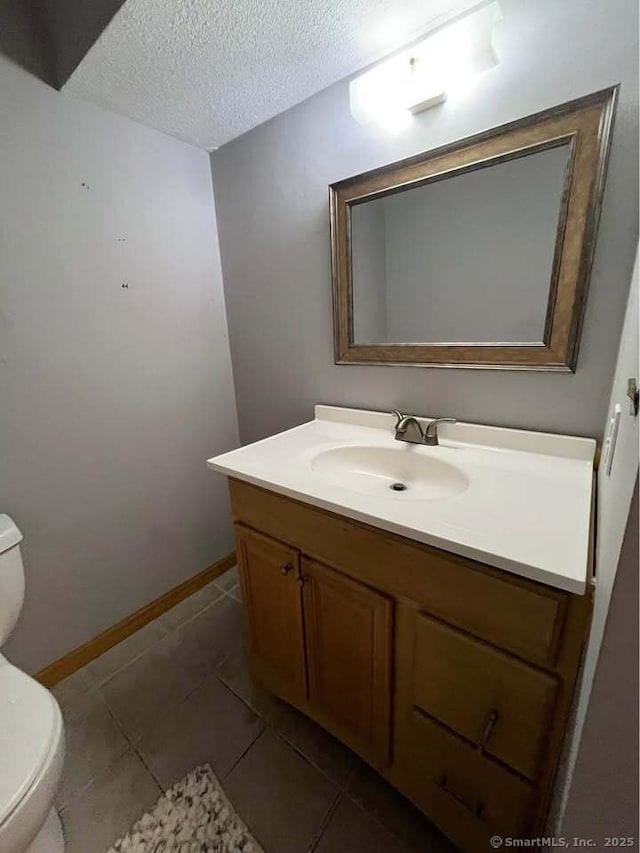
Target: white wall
[
  {"x": 271, "y": 195},
  {"x": 111, "y": 398},
  {"x": 614, "y": 495}
]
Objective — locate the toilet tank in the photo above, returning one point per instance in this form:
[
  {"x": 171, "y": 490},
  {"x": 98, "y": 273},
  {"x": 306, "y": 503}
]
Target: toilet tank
[{"x": 11, "y": 577}]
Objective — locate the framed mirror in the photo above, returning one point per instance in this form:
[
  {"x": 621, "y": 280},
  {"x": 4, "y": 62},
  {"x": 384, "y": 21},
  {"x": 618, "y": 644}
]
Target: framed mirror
[{"x": 476, "y": 254}]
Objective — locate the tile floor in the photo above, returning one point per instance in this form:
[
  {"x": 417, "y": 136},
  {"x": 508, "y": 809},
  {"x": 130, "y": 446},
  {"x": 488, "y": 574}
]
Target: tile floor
[{"x": 177, "y": 694}]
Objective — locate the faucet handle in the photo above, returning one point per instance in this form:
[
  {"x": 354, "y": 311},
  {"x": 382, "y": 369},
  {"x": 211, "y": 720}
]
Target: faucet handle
[
  {"x": 399, "y": 416},
  {"x": 433, "y": 425}
]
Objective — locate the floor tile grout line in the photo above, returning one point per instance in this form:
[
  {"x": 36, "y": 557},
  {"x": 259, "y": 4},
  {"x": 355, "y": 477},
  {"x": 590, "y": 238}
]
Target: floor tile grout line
[
  {"x": 121, "y": 728},
  {"x": 170, "y": 709},
  {"x": 169, "y": 631},
  {"x": 228, "y": 772},
  {"x": 370, "y": 812},
  {"x": 236, "y": 694},
  {"x": 132, "y": 744},
  {"x": 209, "y": 673},
  {"x": 94, "y": 687},
  {"x": 133, "y": 740},
  {"x": 161, "y": 787},
  {"x": 282, "y": 735},
  {"x": 90, "y": 782},
  {"x": 79, "y": 792},
  {"x": 374, "y": 817},
  {"x": 128, "y": 746},
  {"x": 173, "y": 628},
  {"x": 92, "y": 683},
  {"x": 324, "y": 823},
  {"x": 268, "y": 724},
  {"x": 101, "y": 683}
]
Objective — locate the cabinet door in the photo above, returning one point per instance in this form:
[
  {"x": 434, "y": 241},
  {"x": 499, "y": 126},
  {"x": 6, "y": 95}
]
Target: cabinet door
[
  {"x": 270, "y": 578},
  {"x": 348, "y": 629}
]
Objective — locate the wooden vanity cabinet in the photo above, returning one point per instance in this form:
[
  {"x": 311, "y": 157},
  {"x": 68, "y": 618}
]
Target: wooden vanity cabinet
[
  {"x": 497, "y": 702},
  {"x": 270, "y": 579},
  {"x": 319, "y": 640},
  {"x": 453, "y": 679},
  {"x": 349, "y": 640}
]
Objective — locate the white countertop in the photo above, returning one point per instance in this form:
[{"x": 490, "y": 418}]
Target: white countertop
[{"x": 526, "y": 509}]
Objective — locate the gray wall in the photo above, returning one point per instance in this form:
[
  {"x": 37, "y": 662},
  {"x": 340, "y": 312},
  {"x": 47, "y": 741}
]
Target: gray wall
[
  {"x": 603, "y": 799},
  {"x": 21, "y": 38},
  {"x": 111, "y": 398},
  {"x": 470, "y": 259},
  {"x": 50, "y": 38},
  {"x": 369, "y": 273},
  {"x": 69, "y": 29},
  {"x": 271, "y": 193},
  {"x": 465, "y": 259}
]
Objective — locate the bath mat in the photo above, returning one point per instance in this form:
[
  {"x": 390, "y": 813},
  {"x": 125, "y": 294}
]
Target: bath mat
[{"x": 194, "y": 816}]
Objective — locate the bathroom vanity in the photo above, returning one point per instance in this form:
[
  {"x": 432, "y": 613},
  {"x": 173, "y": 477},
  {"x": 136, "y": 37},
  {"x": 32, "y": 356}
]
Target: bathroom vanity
[{"x": 437, "y": 630}]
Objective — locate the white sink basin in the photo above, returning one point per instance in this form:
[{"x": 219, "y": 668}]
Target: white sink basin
[
  {"x": 402, "y": 473},
  {"x": 519, "y": 501}
]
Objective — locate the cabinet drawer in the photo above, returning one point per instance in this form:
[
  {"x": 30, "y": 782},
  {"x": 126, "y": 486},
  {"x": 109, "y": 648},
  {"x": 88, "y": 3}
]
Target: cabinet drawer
[
  {"x": 466, "y": 793},
  {"x": 500, "y": 704}
]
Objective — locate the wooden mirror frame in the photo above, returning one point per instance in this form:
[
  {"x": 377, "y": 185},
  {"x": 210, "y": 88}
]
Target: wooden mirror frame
[{"x": 584, "y": 125}]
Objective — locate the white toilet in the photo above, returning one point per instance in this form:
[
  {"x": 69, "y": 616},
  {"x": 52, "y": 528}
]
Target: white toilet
[{"x": 31, "y": 730}]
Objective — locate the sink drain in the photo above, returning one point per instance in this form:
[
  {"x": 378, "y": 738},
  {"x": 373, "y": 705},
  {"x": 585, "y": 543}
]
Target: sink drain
[{"x": 398, "y": 487}]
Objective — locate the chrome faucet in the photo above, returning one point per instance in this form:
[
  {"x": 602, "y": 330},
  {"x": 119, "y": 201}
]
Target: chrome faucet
[{"x": 408, "y": 429}]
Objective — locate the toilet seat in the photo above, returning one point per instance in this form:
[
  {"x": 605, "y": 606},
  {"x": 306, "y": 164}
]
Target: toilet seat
[
  {"x": 28, "y": 723},
  {"x": 32, "y": 747}
]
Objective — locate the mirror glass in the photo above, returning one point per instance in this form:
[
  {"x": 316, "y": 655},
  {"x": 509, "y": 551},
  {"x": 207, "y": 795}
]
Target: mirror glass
[{"x": 464, "y": 259}]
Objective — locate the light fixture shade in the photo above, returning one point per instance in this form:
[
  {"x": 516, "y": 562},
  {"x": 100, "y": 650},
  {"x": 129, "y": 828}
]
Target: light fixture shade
[{"x": 423, "y": 75}]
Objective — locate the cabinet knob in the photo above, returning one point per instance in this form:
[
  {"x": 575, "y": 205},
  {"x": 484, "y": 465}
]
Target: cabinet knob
[
  {"x": 286, "y": 568},
  {"x": 302, "y": 580}
]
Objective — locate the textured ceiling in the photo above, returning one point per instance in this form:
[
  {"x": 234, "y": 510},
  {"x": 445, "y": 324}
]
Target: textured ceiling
[{"x": 206, "y": 71}]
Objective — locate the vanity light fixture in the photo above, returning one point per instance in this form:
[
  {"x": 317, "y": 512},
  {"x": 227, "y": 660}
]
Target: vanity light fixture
[{"x": 441, "y": 65}]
